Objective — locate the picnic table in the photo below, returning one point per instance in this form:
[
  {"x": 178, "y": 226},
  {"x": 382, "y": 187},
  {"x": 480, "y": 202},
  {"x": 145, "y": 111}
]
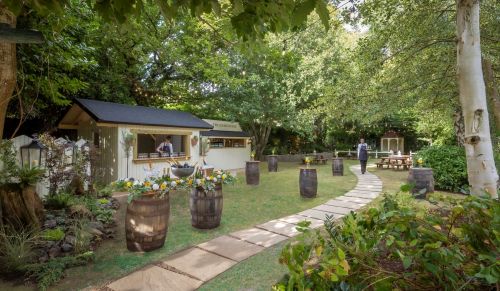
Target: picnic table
[{"x": 395, "y": 162}]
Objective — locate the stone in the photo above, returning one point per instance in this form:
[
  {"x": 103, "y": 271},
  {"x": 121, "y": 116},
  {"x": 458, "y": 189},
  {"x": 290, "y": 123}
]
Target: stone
[
  {"x": 259, "y": 237},
  {"x": 280, "y": 227},
  {"x": 367, "y": 195},
  {"x": 355, "y": 199},
  {"x": 52, "y": 223},
  {"x": 345, "y": 204},
  {"x": 43, "y": 258},
  {"x": 54, "y": 252},
  {"x": 232, "y": 248},
  {"x": 70, "y": 239},
  {"x": 155, "y": 278},
  {"x": 333, "y": 209},
  {"x": 95, "y": 231},
  {"x": 314, "y": 213},
  {"x": 199, "y": 263},
  {"x": 66, "y": 247},
  {"x": 296, "y": 219},
  {"x": 97, "y": 225}
]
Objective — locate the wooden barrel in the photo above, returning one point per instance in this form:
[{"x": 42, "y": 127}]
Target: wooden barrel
[
  {"x": 146, "y": 223},
  {"x": 308, "y": 182},
  {"x": 338, "y": 167},
  {"x": 422, "y": 178},
  {"x": 252, "y": 172},
  {"x": 272, "y": 163},
  {"x": 206, "y": 207}
]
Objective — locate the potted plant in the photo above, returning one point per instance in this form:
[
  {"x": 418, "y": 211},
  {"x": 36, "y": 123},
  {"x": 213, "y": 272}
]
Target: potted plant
[
  {"x": 272, "y": 162},
  {"x": 206, "y": 199},
  {"x": 308, "y": 181},
  {"x": 148, "y": 211},
  {"x": 252, "y": 171}
]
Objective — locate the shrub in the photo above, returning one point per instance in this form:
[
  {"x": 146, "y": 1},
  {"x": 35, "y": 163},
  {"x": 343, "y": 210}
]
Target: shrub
[
  {"x": 55, "y": 234},
  {"x": 59, "y": 201},
  {"x": 82, "y": 237},
  {"x": 16, "y": 249},
  {"x": 49, "y": 273},
  {"x": 448, "y": 164},
  {"x": 393, "y": 247}
]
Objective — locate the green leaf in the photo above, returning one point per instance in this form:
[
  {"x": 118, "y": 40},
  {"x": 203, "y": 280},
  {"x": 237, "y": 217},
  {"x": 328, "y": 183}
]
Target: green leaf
[
  {"x": 341, "y": 254},
  {"x": 407, "y": 261},
  {"x": 324, "y": 15}
]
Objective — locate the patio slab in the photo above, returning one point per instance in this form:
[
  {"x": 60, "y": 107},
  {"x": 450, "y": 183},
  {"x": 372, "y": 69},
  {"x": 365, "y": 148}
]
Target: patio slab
[
  {"x": 362, "y": 195},
  {"x": 199, "y": 263},
  {"x": 333, "y": 209},
  {"x": 345, "y": 204},
  {"x": 155, "y": 278},
  {"x": 355, "y": 199},
  {"x": 295, "y": 219},
  {"x": 281, "y": 227},
  {"x": 230, "y": 247},
  {"x": 259, "y": 237},
  {"x": 318, "y": 214}
]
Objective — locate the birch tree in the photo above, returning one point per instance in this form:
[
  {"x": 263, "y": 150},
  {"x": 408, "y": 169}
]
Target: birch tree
[{"x": 481, "y": 169}]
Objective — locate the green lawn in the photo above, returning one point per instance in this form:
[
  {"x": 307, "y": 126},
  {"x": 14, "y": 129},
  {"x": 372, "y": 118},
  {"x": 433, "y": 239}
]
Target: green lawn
[{"x": 244, "y": 206}]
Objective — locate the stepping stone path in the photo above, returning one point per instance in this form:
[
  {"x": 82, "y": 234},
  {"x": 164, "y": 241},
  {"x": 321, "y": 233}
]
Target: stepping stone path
[{"x": 190, "y": 268}]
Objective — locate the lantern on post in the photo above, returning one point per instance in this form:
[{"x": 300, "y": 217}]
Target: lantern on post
[{"x": 32, "y": 153}]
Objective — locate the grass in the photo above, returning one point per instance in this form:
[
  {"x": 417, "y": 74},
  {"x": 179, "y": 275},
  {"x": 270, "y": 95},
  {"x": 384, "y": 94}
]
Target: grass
[
  {"x": 244, "y": 206},
  {"x": 263, "y": 270},
  {"x": 259, "y": 272}
]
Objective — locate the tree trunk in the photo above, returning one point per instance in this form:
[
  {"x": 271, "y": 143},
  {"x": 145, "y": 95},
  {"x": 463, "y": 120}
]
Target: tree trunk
[
  {"x": 260, "y": 135},
  {"x": 458, "y": 124},
  {"x": 481, "y": 168},
  {"x": 7, "y": 67},
  {"x": 492, "y": 91}
]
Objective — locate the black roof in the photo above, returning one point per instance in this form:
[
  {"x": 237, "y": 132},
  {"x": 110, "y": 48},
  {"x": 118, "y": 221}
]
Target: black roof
[
  {"x": 225, "y": 133},
  {"x": 102, "y": 111}
]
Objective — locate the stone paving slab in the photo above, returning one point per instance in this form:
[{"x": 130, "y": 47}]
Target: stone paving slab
[
  {"x": 354, "y": 199},
  {"x": 369, "y": 194},
  {"x": 155, "y": 278},
  {"x": 295, "y": 219},
  {"x": 333, "y": 209},
  {"x": 359, "y": 195},
  {"x": 314, "y": 213},
  {"x": 199, "y": 263},
  {"x": 231, "y": 247},
  {"x": 345, "y": 204},
  {"x": 259, "y": 237},
  {"x": 281, "y": 227},
  {"x": 374, "y": 188}
]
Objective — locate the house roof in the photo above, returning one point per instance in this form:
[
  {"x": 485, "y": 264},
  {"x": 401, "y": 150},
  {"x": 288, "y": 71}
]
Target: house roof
[
  {"x": 390, "y": 134},
  {"x": 109, "y": 112},
  {"x": 224, "y": 133}
]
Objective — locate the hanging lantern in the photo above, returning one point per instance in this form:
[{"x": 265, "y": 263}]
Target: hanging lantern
[{"x": 33, "y": 153}]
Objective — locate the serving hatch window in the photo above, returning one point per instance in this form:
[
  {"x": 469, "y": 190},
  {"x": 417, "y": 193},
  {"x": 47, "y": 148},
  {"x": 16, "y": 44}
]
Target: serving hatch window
[
  {"x": 227, "y": 142},
  {"x": 150, "y": 146}
]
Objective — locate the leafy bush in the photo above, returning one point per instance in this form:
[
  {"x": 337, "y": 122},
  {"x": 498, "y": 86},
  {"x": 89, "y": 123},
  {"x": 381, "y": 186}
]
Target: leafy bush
[
  {"x": 105, "y": 192},
  {"x": 448, "y": 164},
  {"x": 394, "y": 247},
  {"x": 16, "y": 249},
  {"x": 60, "y": 200},
  {"x": 30, "y": 176},
  {"x": 55, "y": 234},
  {"x": 49, "y": 273}
]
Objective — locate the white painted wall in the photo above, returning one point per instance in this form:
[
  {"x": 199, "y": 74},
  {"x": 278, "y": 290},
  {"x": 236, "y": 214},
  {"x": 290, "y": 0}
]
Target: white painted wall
[{"x": 228, "y": 158}]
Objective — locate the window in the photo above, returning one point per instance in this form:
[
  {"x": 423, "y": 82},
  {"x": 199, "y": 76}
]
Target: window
[
  {"x": 227, "y": 142},
  {"x": 147, "y": 144}
]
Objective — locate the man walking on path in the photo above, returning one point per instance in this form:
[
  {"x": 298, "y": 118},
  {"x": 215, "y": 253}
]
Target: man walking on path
[{"x": 362, "y": 154}]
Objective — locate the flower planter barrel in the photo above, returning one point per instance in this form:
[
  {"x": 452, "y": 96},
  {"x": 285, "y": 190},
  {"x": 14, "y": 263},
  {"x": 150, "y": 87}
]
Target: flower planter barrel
[
  {"x": 422, "y": 178},
  {"x": 308, "y": 182},
  {"x": 338, "y": 167},
  {"x": 252, "y": 172},
  {"x": 146, "y": 223},
  {"x": 272, "y": 163},
  {"x": 206, "y": 207}
]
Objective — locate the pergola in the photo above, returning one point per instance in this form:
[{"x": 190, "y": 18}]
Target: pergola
[{"x": 392, "y": 141}]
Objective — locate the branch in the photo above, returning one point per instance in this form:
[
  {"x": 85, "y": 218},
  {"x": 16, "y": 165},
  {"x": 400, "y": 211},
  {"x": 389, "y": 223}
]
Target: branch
[{"x": 216, "y": 31}]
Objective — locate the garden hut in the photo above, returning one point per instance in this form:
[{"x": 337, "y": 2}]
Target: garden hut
[
  {"x": 226, "y": 145},
  {"x": 108, "y": 126},
  {"x": 392, "y": 141}
]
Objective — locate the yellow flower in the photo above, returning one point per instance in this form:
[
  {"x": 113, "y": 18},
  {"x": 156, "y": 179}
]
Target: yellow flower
[
  {"x": 147, "y": 183},
  {"x": 420, "y": 161},
  {"x": 129, "y": 184},
  {"x": 224, "y": 176},
  {"x": 163, "y": 186}
]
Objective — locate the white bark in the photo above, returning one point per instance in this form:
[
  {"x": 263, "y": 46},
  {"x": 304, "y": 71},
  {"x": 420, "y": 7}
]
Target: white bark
[{"x": 481, "y": 168}]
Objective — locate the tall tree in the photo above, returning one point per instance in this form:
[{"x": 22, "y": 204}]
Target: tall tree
[
  {"x": 481, "y": 168},
  {"x": 7, "y": 65}
]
